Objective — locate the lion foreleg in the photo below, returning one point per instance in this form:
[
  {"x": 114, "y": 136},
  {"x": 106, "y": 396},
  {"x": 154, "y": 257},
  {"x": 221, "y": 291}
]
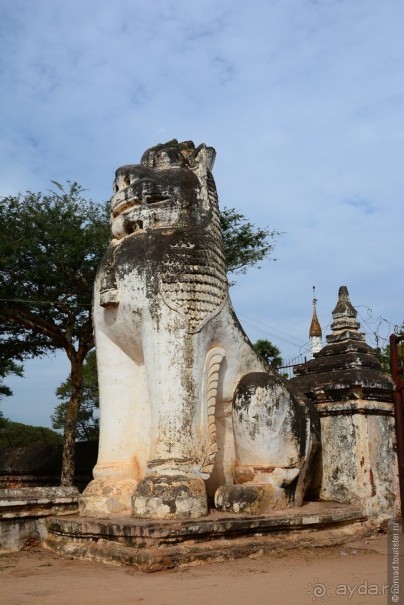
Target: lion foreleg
[
  {"x": 173, "y": 486},
  {"x": 124, "y": 420}
]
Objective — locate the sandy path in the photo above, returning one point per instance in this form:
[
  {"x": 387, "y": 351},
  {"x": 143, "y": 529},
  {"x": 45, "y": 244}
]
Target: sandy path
[{"x": 37, "y": 577}]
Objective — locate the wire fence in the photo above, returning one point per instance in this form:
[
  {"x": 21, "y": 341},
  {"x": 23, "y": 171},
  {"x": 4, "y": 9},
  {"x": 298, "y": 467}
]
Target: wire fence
[{"x": 287, "y": 369}]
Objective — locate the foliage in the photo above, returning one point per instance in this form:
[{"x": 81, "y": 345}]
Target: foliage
[
  {"x": 8, "y": 366},
  {"x": 384, "y": 354},
  {"x": 269, "y": 352},
  {"x": 50, "y": 248},
  {"x": 237, "y": 260},
  {"x": 87, "y": 424},
  {"x": 15, "y": 434},
  {"x": 244, "y": 244}
]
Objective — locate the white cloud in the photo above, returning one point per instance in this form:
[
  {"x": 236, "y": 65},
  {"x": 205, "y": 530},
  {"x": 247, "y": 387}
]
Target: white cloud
[{"x": 303, "y": 101}]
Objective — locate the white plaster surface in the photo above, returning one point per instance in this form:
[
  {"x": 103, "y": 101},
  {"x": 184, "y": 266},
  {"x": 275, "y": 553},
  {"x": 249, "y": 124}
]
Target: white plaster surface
[{"x": 171, "y": 352}]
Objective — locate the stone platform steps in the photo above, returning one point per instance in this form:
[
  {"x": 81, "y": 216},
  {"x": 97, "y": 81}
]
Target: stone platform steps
[{"x": 152, "y": 545}]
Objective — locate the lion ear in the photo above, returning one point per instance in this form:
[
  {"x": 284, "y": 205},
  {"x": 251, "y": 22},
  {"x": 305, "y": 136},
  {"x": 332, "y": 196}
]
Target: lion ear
[{"x": 203, "y": 157}]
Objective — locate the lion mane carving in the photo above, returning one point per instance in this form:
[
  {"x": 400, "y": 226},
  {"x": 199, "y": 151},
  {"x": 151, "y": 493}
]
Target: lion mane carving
[{"x": 187, "y": 408}]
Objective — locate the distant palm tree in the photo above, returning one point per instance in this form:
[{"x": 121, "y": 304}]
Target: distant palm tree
[{"x": 269, "y": 352}]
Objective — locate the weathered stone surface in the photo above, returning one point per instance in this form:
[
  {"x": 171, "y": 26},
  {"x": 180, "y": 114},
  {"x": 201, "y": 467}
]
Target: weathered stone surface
[
  {"x": 35, "y": 501},
  {"x": 354, "y": 399},
  {"x": 358, "y": 462},
  {"x": 184, "y": 398},
  {"x": 17, "y": 533},
  {"x": 252, "y": 499},
  {"x": 161, "y": 497},
  {"x": 21, "y": 511},
  {"x": 155, "y": 545},
  {"x": 107, "y": 496}
]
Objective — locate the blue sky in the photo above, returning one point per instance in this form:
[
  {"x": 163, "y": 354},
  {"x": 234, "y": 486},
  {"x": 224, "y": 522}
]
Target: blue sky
[{"x": 302, "y": 99}]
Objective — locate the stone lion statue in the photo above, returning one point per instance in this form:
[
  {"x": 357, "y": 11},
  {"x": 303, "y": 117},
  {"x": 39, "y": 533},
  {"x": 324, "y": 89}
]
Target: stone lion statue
[{"x": 187, "y": 407}]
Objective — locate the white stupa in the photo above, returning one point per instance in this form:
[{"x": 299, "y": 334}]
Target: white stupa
[{"x": 316, "y": 334}]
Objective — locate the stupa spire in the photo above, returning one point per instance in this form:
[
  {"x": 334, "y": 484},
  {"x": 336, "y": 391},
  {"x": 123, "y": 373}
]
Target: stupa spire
[
  {"x": 315, "y": 332},
  {"x": 345, "y": 325}
]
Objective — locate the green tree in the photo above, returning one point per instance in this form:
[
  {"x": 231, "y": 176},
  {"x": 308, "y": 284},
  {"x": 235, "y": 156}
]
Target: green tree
[
  {"x": 384, "y": 353},
  {"x": 50, "y": 248},
  {"x": 16, "y": 434},
  {"x": 269, "y": 352},
  {"x": 245, "y": 245},
  {"x": 87, "y": 423},
  {"x": 8, "y": 366}
]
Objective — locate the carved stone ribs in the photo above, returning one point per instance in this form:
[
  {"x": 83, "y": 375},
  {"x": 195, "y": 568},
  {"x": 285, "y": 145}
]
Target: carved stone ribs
[{"x": 193, "y": 278}]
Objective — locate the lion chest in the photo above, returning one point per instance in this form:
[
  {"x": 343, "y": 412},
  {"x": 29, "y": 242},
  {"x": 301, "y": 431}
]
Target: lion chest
[{"x": 183, "y": 270}]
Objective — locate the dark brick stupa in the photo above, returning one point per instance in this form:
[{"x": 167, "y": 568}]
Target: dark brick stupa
[
  {"x": 347, "y": 367},
  {"x": 354, "y": 399}
]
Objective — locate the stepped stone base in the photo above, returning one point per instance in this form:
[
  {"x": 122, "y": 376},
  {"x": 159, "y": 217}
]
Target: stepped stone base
[
  {"x": 23, "y": 510},
  {"x": 152, "y": 545}
]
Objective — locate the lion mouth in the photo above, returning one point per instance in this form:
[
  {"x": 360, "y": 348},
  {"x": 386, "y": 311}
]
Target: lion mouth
[
  {"x": 125, "y": 205},
  {"x": 148, "y": 199}
]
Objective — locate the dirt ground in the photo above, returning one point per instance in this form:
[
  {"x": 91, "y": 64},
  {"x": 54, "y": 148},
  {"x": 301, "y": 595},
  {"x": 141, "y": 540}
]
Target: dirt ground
[{"x": 335, "y": 575}]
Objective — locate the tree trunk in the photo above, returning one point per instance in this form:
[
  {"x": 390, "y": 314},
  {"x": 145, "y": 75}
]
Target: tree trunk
[{"x": 69, "y": 438}]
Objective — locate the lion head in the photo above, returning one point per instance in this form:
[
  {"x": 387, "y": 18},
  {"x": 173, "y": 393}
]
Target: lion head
[{"x": 168, "y": 189}]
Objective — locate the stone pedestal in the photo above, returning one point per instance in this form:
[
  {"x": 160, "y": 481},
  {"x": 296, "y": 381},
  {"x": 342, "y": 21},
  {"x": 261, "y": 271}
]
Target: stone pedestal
[
  {"x": 358, "y": 461},
  {"x": 23, "y": 510},
  {"x": 153, "y": 545}
]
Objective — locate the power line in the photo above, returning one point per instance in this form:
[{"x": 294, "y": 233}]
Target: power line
[
  {"x": 42, "y": 302},
  {"x": 258, "y": 325}
]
